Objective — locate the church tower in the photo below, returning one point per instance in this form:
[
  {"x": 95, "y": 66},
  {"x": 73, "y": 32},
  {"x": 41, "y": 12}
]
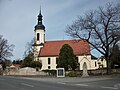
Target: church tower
[
  {"x": 39, "y": 31},
  {"x": 39, "y": 36}
]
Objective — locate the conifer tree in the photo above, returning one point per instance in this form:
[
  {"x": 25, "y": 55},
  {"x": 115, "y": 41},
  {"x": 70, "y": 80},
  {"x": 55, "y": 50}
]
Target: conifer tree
[{"x": 67, "y": 59}]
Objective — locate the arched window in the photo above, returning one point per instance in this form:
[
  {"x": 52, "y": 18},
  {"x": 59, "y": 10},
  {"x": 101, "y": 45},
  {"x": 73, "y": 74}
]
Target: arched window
[
  {"x": 37, "y": 36},
  {"x": 48, "y": 60}
]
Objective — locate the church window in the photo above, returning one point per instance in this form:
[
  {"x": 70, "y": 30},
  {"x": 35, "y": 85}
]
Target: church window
[
  {"x": 37, "y": 36},
  {"x": 48, "y": 60},
  {"x": 57, "y": 60},
  {"x": 49, "y": 67},
  {"x": 95, "y": 64},
  {"x": 77, "y": 59}
]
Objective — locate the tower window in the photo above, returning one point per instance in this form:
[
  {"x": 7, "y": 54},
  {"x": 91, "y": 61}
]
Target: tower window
[
  {"x": 37, "y": 36},
  {"x": 95, "y": 64},
  {"x": 48, "y": 60}
]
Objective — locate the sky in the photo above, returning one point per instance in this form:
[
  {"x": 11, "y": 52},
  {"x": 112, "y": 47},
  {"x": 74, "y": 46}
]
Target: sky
[{"x": 18, "y": 18}]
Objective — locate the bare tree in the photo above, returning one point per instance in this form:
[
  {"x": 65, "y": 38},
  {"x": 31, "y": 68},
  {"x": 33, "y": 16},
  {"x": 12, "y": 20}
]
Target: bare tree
[
  {"x": 28, "y": 48},
  {"x": 100, "y": 28},
  {"x": 5, "y": 49}
]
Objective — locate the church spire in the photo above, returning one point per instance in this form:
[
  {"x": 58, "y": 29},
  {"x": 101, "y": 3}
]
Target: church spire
[
  {"x": 40, "y": 12},
  {"x": 39, "y": 24}
]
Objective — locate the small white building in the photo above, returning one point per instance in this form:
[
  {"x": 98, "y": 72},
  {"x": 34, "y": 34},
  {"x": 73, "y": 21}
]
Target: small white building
[{"x": 47, "y": 52}]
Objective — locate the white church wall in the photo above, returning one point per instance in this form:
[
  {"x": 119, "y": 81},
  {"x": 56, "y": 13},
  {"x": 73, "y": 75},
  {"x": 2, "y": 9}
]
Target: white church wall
[
  {"x": 86, "y": 60},
  {"x": 102, "y": 62},
  {"x": 81, "y": 59},
  {"x": 44, "y": 61},
  {"x": 90, "y": 63},
  {"x": 45, "y": 64},
  {"x": 53, "y": 63},
  {"x": 94, "y": 64}
]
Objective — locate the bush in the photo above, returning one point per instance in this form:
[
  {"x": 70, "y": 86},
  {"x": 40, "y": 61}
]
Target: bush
[
  {"x": 35, "y": 64},
  {"x": 51, "y": 72},
  {"x": 72, "y": 74}
]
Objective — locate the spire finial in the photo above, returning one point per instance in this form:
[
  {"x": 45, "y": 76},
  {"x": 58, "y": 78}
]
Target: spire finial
[
  {"x": 40, "y": 9},
  {"x": 40, "y": 12}
]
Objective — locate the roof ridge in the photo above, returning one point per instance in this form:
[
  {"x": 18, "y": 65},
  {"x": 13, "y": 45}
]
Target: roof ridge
[{"x": 62, "y": 40}]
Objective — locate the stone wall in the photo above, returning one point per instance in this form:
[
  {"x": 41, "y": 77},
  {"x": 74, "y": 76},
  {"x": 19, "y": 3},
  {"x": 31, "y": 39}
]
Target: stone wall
[
  {"x": 100, "y": 72},
  {"x": 24, "y": 71},
  {"x": 32, "y": 71}
]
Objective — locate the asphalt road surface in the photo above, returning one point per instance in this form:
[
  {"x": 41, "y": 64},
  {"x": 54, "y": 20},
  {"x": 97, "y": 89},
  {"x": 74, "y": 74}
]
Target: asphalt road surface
[{"x": 20, "y": 83}]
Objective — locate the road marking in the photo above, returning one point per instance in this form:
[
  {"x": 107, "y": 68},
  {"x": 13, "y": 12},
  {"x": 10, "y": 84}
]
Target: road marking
[
  {"x": 61, "y": 82},
  {"x": 81, "y": 85},
  {"x": 109, "y": 87},
  {"x": 25, "y": 84},
  {"x": 117, "y": 85}
]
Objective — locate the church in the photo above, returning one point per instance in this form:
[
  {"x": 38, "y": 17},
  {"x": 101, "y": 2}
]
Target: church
[{"x": 47, "y": 52}]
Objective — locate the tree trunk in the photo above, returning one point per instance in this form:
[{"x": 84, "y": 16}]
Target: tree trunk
[{"x": 108, "y": 65}]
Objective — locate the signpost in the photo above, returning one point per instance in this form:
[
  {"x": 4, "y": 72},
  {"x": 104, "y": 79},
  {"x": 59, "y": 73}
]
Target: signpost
[{"x": 60, "y": 72}]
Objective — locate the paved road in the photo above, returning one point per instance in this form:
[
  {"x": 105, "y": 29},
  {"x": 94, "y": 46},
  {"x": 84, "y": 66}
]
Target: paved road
[{"x": 20, "y": 83}]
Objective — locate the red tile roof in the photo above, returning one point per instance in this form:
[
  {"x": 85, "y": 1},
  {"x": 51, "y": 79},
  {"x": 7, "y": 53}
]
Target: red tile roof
[
  {"x": 52, "y": 48},
  {"x": 15, "y": 65}
]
